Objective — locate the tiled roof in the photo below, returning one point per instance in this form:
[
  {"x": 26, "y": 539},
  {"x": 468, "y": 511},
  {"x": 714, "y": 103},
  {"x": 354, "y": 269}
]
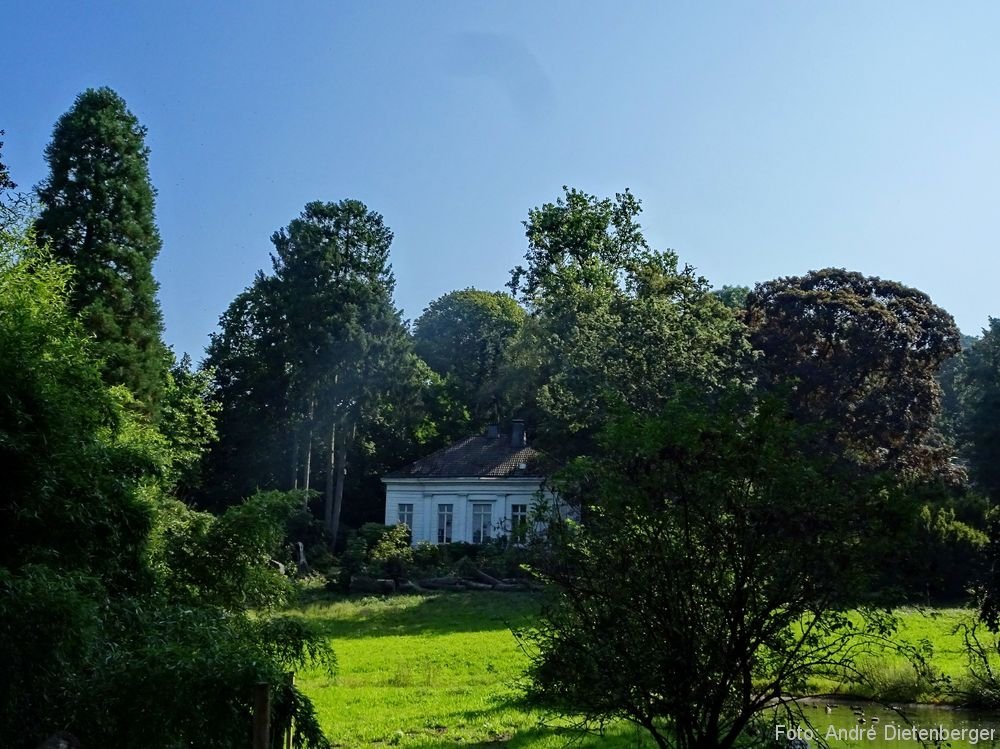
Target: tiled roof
[{"x": 477, "y": 457}]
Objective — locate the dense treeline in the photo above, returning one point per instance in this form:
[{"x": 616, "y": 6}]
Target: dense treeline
[
  {"x": 126, "y": 618},
  {"x": 813, "y": 443}
]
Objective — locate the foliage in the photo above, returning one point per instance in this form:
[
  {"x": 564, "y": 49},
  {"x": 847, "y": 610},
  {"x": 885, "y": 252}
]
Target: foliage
[
  {"x": 940, "y": 556},
  {"x": 952, "y": 415},
  {"x": 948, "y": 555},
  {"x": 250, "y": 393},
  {"x": 378, "y": 550},
  {"x": 385, "y": 552},
  {"x": 50, "y": 620},
  {"x": 120, "y": 608},
  {"x": 734, "y": 297},
  {"x": 6, "y": 183},
  {"x": 97, "y": 216},
  {"x": 392, "y": 555},
  {"x": 612, "y": 323},
  {"x": 713, "y": 575},
  {"x": 66, "y": 482},
  {"x": 861, "y": 355},
  {"x": 187, "y": 422},
  {"x": 211, "y": 663},
  {"x": 14, "y": 206},
  {"x": 317, "y": 353},
  {"x": 223, "y": 560},
  {"x": 980, "y": 685},
  {"x": 350, "y": 359},
  {"x": 976, "y": 406},
  {"x": 463, "y": 336},
  {"x": 989, "y": 592}
]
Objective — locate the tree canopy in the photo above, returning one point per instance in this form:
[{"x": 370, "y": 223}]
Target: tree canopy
[
  {"x": 464, "y": 336},
  {"x": 318, "y": 353},
  {"x": 713, "y": 575},
  {"x": 860, "y": 354},
  {"x": 98, "y": 216},
  {"x": 119, "y": 606},
  {"x": 976, "y": 408},
  {"x": 613, "y": 324}
]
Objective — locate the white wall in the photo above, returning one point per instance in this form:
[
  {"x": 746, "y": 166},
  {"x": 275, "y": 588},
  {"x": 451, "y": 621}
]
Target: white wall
[{"x": 426, "y": 494}]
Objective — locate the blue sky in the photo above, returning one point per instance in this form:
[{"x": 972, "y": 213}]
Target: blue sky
[{"x": 765, "y": 139}]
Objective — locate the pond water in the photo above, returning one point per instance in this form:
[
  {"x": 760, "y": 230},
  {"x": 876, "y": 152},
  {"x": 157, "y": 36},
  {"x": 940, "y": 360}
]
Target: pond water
[{"x": 864, "y": 725}]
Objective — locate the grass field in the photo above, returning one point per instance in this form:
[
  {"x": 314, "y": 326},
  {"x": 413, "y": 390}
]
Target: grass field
[
  {"x": 433, "y": 671},
  {"x": 443, "y": 670},
  {"x": 895, "y": 678}
]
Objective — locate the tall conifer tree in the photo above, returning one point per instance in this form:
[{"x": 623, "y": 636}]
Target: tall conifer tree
[{"x": 97, "y": 216}]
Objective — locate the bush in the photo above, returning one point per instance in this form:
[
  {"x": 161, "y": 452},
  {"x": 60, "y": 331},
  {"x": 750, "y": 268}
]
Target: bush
[
  {"x": 225, "y": 560},
  {"x": 354, "y": 561},
  {"x": 371, "y": 533},
  {"x": 392, "y": 555},
  {"x": 427, "y": 559}
]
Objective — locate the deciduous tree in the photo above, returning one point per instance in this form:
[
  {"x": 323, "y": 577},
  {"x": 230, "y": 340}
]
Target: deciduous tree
[
  {"x": 861, "y": 355},
  {"x": 116, "y": 612},
  {"x": 975, "y": 408},
  {"x": 612, "y": 323},
  {"x": 464, "y": 336},
  {"x": 714, "y": 573}
]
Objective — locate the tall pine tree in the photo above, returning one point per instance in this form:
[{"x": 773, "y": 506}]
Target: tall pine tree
[{"x": 97, "y": 216}]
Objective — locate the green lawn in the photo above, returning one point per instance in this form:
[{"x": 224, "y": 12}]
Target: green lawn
[
  {"x": 433, "y": 671},
  {"x": 440, "y": 670},
  {"x": 893, "y": 673}
]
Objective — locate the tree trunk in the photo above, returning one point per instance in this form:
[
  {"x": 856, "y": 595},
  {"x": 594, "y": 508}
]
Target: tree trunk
[
  {"x": 295, "y": 459},
  {"x": 309, "y": 446},
  {"x": 338, "y": 493},
  {"x": 328, "y": 497},
  {"x": 309, "y": 453}
]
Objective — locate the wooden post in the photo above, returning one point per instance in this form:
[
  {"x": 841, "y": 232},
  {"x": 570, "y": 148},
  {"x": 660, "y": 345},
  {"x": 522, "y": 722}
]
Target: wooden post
[
  {"x": 290, "y": 728},
  {"x": 261, "y": 716}
]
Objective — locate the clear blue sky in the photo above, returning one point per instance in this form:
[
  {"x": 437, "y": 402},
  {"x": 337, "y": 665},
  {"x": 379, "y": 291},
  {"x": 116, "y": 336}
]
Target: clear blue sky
[{"x": 765, "y": 139}]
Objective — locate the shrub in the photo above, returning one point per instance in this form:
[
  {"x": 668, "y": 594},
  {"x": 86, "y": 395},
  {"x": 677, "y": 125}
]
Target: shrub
[
  {"x": 371, "y": 533},
  {"x": 392, "y": 555},
  {"x": 427, "y": 559}
]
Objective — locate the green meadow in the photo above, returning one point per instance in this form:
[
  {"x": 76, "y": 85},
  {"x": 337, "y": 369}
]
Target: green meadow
[
  {"x": 443, "y": 670},
  {"x": 433, "y": 671}
]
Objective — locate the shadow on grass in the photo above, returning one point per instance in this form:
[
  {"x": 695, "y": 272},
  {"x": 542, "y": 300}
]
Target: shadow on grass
[
  {"x": 526, "y": 737},
  {"x": 529, "y": 736},
  {"x": 350, "y": 617}
]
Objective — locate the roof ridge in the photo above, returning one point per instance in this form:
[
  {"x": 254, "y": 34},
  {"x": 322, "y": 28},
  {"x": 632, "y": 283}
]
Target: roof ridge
[{"x": 476, "y": 456}]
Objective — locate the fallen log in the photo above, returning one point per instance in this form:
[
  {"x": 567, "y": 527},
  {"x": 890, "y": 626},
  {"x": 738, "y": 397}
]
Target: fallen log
[
  {"x": 473, "y": 585},
  {"x": 408, "y": 586},
  {"x": 365, "y": 584},
  {"x": 436, "y": 584},
  {"x": 484, "y": 578},
  {"x": 509, "y": 587}
]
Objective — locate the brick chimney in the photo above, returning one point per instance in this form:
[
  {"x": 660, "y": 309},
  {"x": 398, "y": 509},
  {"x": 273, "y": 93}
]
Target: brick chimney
[{"x": 517, "y": 436}]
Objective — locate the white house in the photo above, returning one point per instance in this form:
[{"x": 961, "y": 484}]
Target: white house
[{"x": 480, "y": 487}]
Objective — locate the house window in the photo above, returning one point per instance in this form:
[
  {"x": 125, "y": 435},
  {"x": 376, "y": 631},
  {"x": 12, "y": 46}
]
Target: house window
[
  {"x": 445, "y": 514},
  {"x": 518, "y": 521},
  {"x": 405, "y": 515},
  {"x": 482, "y": 521}
]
